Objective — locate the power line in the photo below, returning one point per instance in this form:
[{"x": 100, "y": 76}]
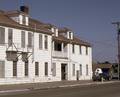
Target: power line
[{"x": 105, "y": 43}]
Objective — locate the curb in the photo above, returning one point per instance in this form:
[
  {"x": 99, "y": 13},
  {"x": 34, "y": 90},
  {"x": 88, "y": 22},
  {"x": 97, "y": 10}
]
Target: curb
[
  {"x": 84, "y": 84},
  {"x": 53, "y": 87}
]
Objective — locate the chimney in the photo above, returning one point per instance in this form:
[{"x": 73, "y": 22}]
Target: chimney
[{"x": 24, "y": 9}]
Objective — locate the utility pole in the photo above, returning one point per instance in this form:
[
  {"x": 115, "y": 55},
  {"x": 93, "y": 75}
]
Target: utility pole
[{"x": 118, "y": 40}]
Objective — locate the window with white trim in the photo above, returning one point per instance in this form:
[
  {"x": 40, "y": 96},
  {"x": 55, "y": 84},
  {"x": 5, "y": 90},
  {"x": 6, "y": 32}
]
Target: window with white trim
[
  {"x": 54, "y": 69},
  {"x": 26, "y": 68},
  {"x": 10, "y": 37},
  {"x": 2, "y": 69},
  {"x": 40, "y": 41},
  {"x": 86, "y": 50},
  {"x": 46, "y": 42},
  {"x": 23, "y": 39},
  {"x": 80, "y": 49},
  {"x": 36, "y": 68},
  {"x": 73, "y": 69},
  {"x": 73, "y": 48},
  {"x": 14, "y": 68},
  {"x": 2, "y": 36},
  {"x": 80, "y": 69},
  {"x": 86, "y": 69},
  {"x": 46, "y": 68},
  {"x": 30, "y": 39}
]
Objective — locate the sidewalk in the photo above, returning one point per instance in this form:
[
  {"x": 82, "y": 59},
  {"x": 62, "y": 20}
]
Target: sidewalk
[{"x": 47, "y": 85}]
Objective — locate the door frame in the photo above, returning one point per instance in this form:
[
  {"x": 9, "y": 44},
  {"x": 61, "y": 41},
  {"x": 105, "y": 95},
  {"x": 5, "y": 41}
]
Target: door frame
[{"x": 64, "y": 71}]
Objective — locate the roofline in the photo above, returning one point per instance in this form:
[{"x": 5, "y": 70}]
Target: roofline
[
  {"x": 23, "y": 27},
  {"x": 70, "y": 41}
]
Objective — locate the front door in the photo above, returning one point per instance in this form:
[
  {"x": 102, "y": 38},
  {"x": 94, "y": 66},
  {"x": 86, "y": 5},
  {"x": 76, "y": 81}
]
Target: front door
[{"x": 64, "y": 71}]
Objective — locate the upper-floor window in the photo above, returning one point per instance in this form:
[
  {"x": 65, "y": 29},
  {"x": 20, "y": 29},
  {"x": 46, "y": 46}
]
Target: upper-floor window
[
  {"x": 80, "y": 49},
  {"x": 24, "y": 19},
  {"x": 10, "y": 37},
  {"x": 30, "y": 39},
  {"x": 86, "y": 50},
  {"x": 73, "y": 48},
  {"x": 23, "y": 39},
  {"x": 57, "y": 46},
  {"x": 70, "y": 35},
  {"x": 46, "y": 42},
  {"x": 2, "y": 35},
  {"x": 40, "y": 41}
]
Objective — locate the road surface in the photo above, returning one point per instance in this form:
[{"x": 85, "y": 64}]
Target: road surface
[{"x": 102, "y": 90}]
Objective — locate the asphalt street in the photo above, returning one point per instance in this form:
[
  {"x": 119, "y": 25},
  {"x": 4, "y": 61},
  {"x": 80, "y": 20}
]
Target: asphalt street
[{"x": 101, "y": 90}]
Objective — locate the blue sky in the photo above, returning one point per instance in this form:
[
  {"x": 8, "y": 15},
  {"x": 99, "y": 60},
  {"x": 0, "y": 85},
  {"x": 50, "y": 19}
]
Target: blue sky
[{"x": 89, "y": 19}]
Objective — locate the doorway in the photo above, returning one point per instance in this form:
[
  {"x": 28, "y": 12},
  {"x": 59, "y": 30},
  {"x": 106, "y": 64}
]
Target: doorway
[{"x": 64, "y": 71}]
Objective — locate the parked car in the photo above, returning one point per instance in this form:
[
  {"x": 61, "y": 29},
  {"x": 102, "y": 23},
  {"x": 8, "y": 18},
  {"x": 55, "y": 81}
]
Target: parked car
[{"x": 99, "y": 75}]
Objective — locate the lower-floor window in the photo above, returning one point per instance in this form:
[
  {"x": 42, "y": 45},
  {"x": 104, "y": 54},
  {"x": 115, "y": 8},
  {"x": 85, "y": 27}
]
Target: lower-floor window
[
  {"x": 46, "y": 68},
  {"x": 26, "y": 68},
  {"x": 36, "y": 68},
  {"x": 54, "y": 69},
  {"x": 14, "y": 68},
  {"x": 80, "y": 69},
  {"x": 73, "y": 73},
  {"x": 87, "y": 69},
  {"x": 2, "y": 69}
]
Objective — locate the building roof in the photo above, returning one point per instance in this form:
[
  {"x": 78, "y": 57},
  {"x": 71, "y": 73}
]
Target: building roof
[
  {"x": 78, "y": 41},
  {"x": 37, "y": 26},
  {"x": 75, "y": 40},
  {"x": 34, "y": 25},
  {"x": 64, "y": 30}
]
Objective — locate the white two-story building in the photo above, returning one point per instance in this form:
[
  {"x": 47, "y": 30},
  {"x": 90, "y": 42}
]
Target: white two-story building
[{"x": 33, "y": 51}]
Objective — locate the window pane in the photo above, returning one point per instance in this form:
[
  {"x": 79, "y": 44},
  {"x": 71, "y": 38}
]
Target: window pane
[
  {"x": 73, "y": 69},
  {"x": 54, "y": 69},
  {"x": 14, "y": 68},
  {"x": 46, "y": 69},
  {"x": 2, "y": 35},
  {"x": 86, "y": 69},
  {"x": 26, "y": 68},
  {"x": 23, "y": 39},
  {"x": 86, "y": 50},
  {"x": 10, "y": 37},
  {"x": 80, "y": 69},
  {"x": 2, "y": 69},
  {"x": 58, "y": 46},
  {"x": 46, "y": 42},
  {"x": 70, "y": 35},
  {"x": 80, "y": 50},
  {"x": 24, "y": 19},
  {"x": 29, "y": 39},
  {"x": 36, "y": 68},
  {"x": 40, "y": 41},
  {"x": 73, "y": 48}
]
